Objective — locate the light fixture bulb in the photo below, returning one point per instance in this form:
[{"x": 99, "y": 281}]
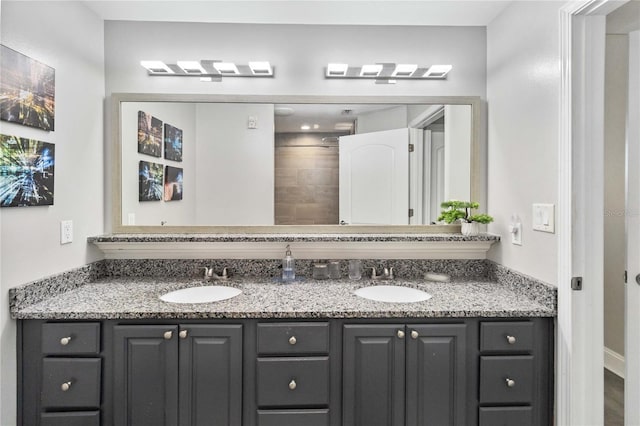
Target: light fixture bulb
[
  {"x": 337, "y": 70},
  {"x": 261, "y": 68},
  {"x": 305, "y": 127},
  {"x": 226, "y": 68},
  {"x": 191, "y": 67},
  {"x": 373, "y": 70},
  {"x": 404, "y": 70},
  {"x": 438, "y": 71},
  {"x": 156, "y": 67}
]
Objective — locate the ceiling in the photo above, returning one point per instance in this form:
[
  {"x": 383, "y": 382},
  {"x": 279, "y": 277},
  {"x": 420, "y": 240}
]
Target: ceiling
[
  {"x": 331, "y": 12},
  {"x": 323, "y": 116}
]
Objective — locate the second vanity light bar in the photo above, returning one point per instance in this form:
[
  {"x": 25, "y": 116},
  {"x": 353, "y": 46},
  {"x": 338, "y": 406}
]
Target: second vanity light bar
[
  {"x": 388, "y": 71},
  {"x": 208, "y": 70}
]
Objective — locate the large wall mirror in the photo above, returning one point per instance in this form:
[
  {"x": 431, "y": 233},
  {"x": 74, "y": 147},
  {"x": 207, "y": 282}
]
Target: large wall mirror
[{"x": 285, "y": 164}]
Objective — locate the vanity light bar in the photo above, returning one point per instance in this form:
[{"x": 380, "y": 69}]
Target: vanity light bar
[
  {"x": 387, "y": 73},
  {"x": 209, "y": 70}
]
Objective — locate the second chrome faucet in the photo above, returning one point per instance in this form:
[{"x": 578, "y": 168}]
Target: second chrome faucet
[
  {"x": 387, "y": 274},
  {"x": 210, "y": 275}
]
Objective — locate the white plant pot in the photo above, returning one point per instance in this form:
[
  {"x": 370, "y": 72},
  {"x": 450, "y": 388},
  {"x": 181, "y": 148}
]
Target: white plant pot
[{"x": 470, "y": 229}]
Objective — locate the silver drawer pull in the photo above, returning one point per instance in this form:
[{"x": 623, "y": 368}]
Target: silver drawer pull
[
  {"x": 414, "y": 334},
  {"x": 510, "y": 383},
  {"x": 293, "y": 340},
  {"x": 511, "y": 340},
  {"x": 65, "y": 340},
  {"x": 293, "y": 385},
  {"x": 400, "y": 334},
  {"x": 183, "y": 334},
  {"x": 65, "y": 386},
  {"x": 168, "y": 335}
]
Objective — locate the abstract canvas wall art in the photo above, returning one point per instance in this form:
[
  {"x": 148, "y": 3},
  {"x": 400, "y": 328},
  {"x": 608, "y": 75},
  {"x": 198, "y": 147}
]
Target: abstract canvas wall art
[
  {"x": 173, "y": 184},
  {"x": 149, "y": 134},
  {"x": 150, "y": 181},
  {"x": 27, "y": 90},
  {"x": 26, "y": 172},
  {"x": 172, "y": 143}
]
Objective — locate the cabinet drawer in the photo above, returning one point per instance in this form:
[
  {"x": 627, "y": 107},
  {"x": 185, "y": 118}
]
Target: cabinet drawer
[
  {"x": 79, "y": 418},
  {"x": 506, "y": 416},
  {"x": 497, "y": 373},
  {"x": 81, "y": 375},
  {"x": 71, "y": 338},
  {"x": 293, "y": 338},
  {"x": 293, "y": 418},
  {"x": 293, "y": 382},
  {"x": 513, "y": 336}
]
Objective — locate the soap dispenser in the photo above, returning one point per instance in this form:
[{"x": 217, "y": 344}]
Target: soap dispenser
[{"x": 288, "y": 266}]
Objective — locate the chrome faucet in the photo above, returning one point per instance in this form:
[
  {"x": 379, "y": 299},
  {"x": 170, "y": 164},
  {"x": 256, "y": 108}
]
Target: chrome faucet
[
  {"x": 387, "y": 274},
  {"x": 209, "y": 274}
]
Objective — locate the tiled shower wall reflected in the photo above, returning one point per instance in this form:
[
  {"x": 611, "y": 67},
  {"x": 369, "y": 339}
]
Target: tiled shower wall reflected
[{"x": 306, "y": 181}]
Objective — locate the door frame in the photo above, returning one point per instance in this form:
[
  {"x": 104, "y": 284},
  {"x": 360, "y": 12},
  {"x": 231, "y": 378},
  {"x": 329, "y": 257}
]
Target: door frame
[{"x": 580, "y": 323}]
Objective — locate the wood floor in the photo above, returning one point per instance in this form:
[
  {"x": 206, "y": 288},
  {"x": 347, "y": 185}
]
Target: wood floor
[{"x": 613, "y": 399}]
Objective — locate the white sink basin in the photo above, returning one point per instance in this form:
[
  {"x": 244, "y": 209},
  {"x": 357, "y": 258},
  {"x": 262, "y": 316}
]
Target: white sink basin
[
  {"x": 203, "y": 294},
  {"x": 392, "y": 293}
]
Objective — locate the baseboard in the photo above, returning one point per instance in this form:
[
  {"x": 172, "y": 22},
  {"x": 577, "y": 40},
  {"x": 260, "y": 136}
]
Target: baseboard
[{"x": 614, "y": 362}]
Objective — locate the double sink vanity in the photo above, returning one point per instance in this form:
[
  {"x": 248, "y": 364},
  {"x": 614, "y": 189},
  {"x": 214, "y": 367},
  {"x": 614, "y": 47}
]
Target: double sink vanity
[
  {"x": 132, "y": 340},
  {"x": 110, "y": 351}
]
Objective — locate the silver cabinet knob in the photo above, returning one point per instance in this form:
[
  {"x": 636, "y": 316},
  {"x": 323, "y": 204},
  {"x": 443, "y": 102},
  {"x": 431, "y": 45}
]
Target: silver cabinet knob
[
  {"x": 65, "y": 340},
  {"x": 400, "y": 334},
  {"x": 65, "y": 386},
  {"x": 183, "y": 334},
  {"x": 511, "y": 340},
  {"x": 510, "y": 383},
  {"x": 292, "y": 384},
  {"x": 293, "y": 340},
  {"x": 414, "y": 334},
  {"x": 168, "y": 335}
]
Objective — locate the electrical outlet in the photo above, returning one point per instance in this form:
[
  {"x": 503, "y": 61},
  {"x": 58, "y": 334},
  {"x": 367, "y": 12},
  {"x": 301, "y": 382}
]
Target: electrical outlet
[{"x": 66, "y": 231}]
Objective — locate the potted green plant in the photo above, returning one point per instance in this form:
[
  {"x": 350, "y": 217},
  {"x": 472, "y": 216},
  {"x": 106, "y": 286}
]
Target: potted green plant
[{"x": 460, "y": 211}]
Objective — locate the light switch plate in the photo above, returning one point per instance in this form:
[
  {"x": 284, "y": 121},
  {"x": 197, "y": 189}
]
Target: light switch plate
[
  {"x": 66, "y": 231},
  {"x": 252, "y": 122},
  {"x": 544, "y": 218},
  {"x": 516, "y": 234}
]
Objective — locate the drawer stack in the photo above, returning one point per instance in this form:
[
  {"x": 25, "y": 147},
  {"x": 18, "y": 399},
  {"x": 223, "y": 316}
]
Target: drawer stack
[
  {"x": 507, "y": 382},
  {"x": 292, "y": 374},
  {"x": 71, "y": 374}
]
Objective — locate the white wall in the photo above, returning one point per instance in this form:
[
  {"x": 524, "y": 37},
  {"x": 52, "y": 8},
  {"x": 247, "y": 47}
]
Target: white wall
[
  {"x": 377, "y": 121},
  {"x": 235, "y": 165},
  {"x": 68, "y": 37},
  {"x": 523, "y": 87},
  {"x": 299, "y": 54},
  {"x": 174, "y": 213},
  {"x": 616, "y": 85},
  {"x": 457, "y": 152}
]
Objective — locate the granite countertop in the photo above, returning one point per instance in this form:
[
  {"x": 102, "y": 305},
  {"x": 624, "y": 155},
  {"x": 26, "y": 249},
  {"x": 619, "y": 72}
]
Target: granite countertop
[
  {"x": 214, "y": 238},
  {"x": 134, "y": 298}
]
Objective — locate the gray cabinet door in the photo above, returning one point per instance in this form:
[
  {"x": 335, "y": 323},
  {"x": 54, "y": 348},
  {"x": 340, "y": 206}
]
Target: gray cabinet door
[
  {"x": 145, "y": 375},
  {"x": 211, "y": 375},
  {"x": 373, "y": 375},
  {"x": 436, "y": 375}
]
